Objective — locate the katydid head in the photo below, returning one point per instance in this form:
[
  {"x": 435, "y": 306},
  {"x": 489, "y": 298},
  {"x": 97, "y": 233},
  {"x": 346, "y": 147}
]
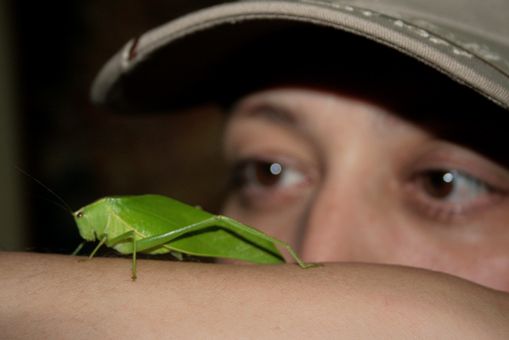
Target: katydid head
[{"x": 91, "y": 221}]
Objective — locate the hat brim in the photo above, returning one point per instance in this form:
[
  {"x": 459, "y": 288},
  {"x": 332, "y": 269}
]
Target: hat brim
[{"x": 172, "y": 65}]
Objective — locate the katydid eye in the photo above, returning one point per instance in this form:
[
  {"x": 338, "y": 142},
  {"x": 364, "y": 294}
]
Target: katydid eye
[{"x": 79, "y": 214}]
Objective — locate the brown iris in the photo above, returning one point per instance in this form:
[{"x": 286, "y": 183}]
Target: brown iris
[
  {"x": 258, "y": 172},
  {"x": 439, "y": 183},
  {"x": 267, "y": 173}
]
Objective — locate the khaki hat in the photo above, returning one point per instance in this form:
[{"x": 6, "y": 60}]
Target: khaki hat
[{"x": 183, "y": 61}]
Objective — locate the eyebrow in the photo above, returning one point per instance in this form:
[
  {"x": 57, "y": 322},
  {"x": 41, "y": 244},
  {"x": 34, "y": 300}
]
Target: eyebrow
[{"x": 271, "y": 112}]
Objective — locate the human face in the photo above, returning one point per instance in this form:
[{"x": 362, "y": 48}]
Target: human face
[{"x": 341, "y": 178}]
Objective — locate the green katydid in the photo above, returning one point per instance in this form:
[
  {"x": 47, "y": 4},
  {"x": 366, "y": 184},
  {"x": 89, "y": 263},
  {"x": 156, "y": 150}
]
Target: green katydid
[{"x": 155, "y": 224}]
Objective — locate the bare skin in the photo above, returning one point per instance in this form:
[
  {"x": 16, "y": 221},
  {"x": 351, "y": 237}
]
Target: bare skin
[
  {"x": 353, "y": 185},
  {"x": 58, "y": 297},
  {"x": 355, "y": 182}
]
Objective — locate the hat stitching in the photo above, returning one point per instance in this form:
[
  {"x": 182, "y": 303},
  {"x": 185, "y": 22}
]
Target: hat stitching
[
  {"x": 448, "y": 46},
  {"x": 457, "y": 47}
]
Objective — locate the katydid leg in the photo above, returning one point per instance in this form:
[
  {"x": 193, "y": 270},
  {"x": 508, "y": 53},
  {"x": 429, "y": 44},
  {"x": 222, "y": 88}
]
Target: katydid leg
[
  {"x": 97, "y": 247},
  {"x": 231, "y": 224},
  {"x": 78, "y": 248},
  {"x": 122, "y": 238},
  {"x": 216, "y": 221}
]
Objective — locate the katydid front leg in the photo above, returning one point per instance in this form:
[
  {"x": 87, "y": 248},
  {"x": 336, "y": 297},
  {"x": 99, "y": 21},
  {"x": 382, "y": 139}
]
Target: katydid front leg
[
  {"x": 122, "y": 238},
  {"x": 110, "y": 243}
]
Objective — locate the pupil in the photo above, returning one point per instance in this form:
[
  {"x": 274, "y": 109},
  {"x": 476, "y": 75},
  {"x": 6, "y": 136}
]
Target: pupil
[
  {"x": 267, "y": 174},
  {"x": 439, "y": 183}
]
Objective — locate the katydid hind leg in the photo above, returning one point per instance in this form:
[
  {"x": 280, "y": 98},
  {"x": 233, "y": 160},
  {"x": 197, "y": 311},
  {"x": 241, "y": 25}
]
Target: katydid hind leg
[
  {"x": 161, "y": 239},
  {"x": 231, "y": 224},
  {"x": 219, "y": 221}
]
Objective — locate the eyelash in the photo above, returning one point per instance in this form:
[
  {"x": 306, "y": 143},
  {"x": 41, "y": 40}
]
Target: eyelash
[
  {"x": 260, "y": 177},
  {"x": 446, "y": 194},
  {"x": 439, "y": 193}
]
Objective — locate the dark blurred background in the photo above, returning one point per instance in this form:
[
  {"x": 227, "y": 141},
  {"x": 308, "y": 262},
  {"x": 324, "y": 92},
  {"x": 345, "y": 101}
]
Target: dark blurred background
[{"x": 49, "y": 55}]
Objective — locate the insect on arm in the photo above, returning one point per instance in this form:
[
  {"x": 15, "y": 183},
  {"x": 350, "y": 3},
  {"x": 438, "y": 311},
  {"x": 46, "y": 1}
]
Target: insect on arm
[{"x": 156, "y": 224}]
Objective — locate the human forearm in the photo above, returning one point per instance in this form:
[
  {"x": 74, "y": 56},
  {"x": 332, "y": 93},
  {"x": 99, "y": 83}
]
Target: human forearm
[{"x": 59, "y": 297}]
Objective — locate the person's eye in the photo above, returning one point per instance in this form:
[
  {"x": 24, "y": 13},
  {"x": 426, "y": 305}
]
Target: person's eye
[
  {"x": 445, "y": 193},
  {"x": 266, "y": 174},
  {"x": 258, "y": 179}
]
